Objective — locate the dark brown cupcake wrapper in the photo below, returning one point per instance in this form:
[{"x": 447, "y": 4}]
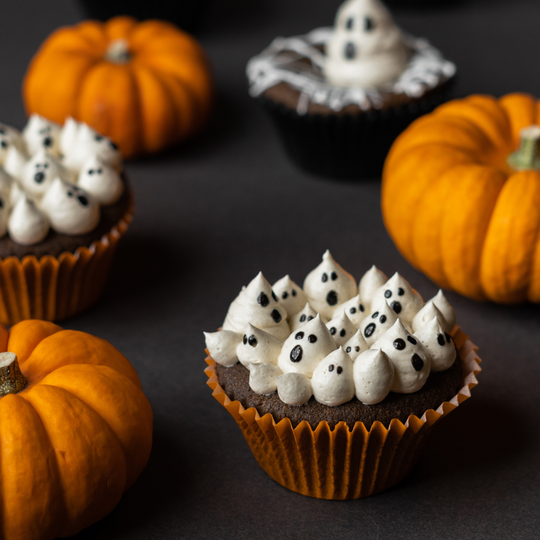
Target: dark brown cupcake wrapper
[
  {"x": 342, "y": 463},
  {"x": 348, "y": 146}
]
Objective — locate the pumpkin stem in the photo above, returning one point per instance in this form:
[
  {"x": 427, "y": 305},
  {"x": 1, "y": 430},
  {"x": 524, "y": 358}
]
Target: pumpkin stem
[
  {"x": 12, "y": 381},
  {"x": 527, "y": 156},
  {"x": 118, "y": 52}
]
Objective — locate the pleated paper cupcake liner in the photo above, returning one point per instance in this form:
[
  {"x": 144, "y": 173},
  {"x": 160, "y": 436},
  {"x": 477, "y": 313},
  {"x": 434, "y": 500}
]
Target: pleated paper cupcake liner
[
  {"x": 342, "y": 463},
  {"x": 348, "y": 146},
  {"x": 53, "y": 288}
]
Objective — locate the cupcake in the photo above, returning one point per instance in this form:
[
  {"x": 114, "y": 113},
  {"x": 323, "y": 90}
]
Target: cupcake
[
  {"x": 64, "y": 204},
  {"x": 339, "y": 406},
  {"x": 340, "y": 96}
]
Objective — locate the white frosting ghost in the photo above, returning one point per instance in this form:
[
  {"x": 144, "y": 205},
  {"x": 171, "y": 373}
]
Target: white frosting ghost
[
  {"x": 15, "y": 193},
  {"x": 369, "y": 283},
  {"x": 40, "y": 171},
  {"x": 302, "y": 317},
  {"x": 401, "y": 297},
  {"x": 356, "y": 345},
  {"x": 332, "y": 382},
  {"x": 100, "y": 180},
  {"x": 41, "y": 134},
  {"x": 411, "y": 360},
  {"x": 27, "y": 224},
  {"x": 306, "y": 347},
  {"x": 222, "y": 346},
  {"x": 328, "y": 285},
  {"x": 438, "y": 343},
  {"x": 262, "y": 378},
  {"x": 341, "y": 329},
  {"x": 8, "y": 137},
  {"x": 70, "y": 209},
  {"x": 290, "y": 295},
  {"x": 373, "y": 376},
  {"x": 445, "y": 308},
  {"x": 366, "y": 48},
  {"x": 258, "y": 346},
  {"x": 376, "y": 324},
  {"x": 428, "y": 312},
  {"x": 294, "y": 388},
  {"x": 354, "y": 309},
  {"x": 15, "y": 160},
  {"x": 68, "y": 135},
  {"x": 258, "y": 305}
]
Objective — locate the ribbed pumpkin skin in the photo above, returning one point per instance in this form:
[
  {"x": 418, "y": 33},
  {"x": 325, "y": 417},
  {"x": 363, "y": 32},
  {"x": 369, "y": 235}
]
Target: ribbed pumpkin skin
[
  {"x": 456, "y": 210},
  {"x": 159, "y": 97},
  {"x": 74, "y": 439}
]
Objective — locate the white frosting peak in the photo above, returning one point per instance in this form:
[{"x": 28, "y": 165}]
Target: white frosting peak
[
  {"x": 446, "y": 309},
  {"x": 70, "y": 209},
  {"x": 40, "y": 171},
  {"x": 428, "y": 312},
  {"x": 68, "y": 135},
  {"x": 40, "y": 133},
  {"x": 100, "y": 180},
  {"x": 356, "y": 345},
  {"x": 8, "y": 137},
  {"x": 258, "y": 346},
  {"x": 222, "y": 346},
  {"x": 376, "y": 324},
  {"x": 293, "y": 388},
  {"x": 373, "y": 376},
  {"x": 290, "y": 295},
  {"x": 27, "y": 224},
  {"x": 15, "y": 160},
  {"x": 439, "y": 345},
  {"x": 341, "y": 329},
  {"x": 332, "y": 381},
  {"x": 370, "y": 282},
  {"x": 329, "y": 285},
  {"x": 306, "y": 347},
  {"x": 262, "y": 378}
]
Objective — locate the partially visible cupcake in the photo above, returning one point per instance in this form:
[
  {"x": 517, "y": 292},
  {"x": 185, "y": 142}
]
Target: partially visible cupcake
[
  {"x": 64, "y": 204},
  {"x": 340, "y": 96},
  {"x": 339, "y": 407}
]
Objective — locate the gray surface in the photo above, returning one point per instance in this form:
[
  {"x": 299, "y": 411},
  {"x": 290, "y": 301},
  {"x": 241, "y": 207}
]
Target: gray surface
[{"x": 213, "y": 214}]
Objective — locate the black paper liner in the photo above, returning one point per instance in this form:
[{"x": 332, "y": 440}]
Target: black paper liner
[{"x": 348, "y": 146}]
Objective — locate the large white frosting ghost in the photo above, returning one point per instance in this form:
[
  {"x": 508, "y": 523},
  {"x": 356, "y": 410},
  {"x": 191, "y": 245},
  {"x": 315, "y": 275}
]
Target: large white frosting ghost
[
  {"x": 41, "y": 134},
  {"x": 290, "y": 295},
  {"x": 366, "y": 48},
  {"x": 257, "y": 304},
  {"x": 332, "y": 382},
  {"x": 306, "y": 347},
  {"x": 329, "y": 285}
]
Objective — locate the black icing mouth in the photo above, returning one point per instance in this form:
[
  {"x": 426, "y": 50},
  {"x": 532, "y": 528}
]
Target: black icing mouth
[
  {"x": 276, "y": 315},
  {"x": 296, "y": 354},
  {"x": 332, "y": 298},
  {"x": 396, "y": 306}
]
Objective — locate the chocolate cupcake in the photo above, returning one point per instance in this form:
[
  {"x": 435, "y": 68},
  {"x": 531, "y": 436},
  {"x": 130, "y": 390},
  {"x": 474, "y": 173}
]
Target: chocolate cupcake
[
  {"x": 64, "y": 204},
  {"x": 337, "y": 405},
  {"x": 340, "y": 96}
]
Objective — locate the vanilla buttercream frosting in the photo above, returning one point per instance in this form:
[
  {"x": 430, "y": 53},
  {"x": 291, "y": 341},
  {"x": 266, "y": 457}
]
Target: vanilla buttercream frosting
[
  {"x": 339, "y": 359},
  {"x": 62, "y": 175}
]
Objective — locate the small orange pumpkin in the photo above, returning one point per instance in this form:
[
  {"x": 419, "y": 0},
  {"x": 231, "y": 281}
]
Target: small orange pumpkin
[
  {"x": 462, "y": 204},
  {"x": 146, "y": 86},
  {"x": 75, "y": 430}
]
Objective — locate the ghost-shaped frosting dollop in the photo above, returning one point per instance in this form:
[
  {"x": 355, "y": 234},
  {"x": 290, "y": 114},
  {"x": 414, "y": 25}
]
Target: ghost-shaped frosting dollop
[
  {"x": 306, "y": 347},
  {"x": 100, "y": 180},
  {"x": 366, "y": 48},
  {"x": 378, "y": 322},
  {"x": 8, "y": 137},
  {"x": 41, "y": 134},
  {"x": 222, "y": 346},
  {"x": 446, "y": 309},
  {"x": 341, "y": 329},
  {"x": 354, "y": 309},
  {"x": 258, "y": 305},
  {"x": 369, "y": 283},
  {"x": 258, "y": 346},
  {"x": 293, "y": 388},
  {"x": 373, "y": 376},
  {"x": 40, "y": 171},
  {"x": 262, "y": 378},
  {"x": 290, "y": 295},
  {"x": 329, "y": 285},
  {"x": 356, "y": 345},
  {"x": 27, "y": 224},
  {"x": 438, "y": 343},
  {"x": 332, "y": 382},
  {"x": 302, "y": 317},
  {"x": 426, "y": 313},
  {"x": 15, "y": 160}
]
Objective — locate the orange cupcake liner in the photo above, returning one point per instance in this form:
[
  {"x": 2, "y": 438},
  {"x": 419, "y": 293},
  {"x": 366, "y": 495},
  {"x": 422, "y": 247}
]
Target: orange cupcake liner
[
  {"x": 53, "y": 288},
  {"x": 342, "y": 463}
]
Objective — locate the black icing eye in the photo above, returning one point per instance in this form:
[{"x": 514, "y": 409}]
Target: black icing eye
[
  {"x": 45, "y": 165},
  {"x": 293, "y": 292},
  {"x": 252, "y": 340},
  {"x": 276, "y": 315},
  {"x": 369, "y": 25},
  {"x": 39, "y": 177},
  {"x": 90, "y": 171},
  {"x": 244, "y": 340},
  {"x": 399, "y": 344},
  {"x": 350, "y": 51},
  {"x": 113, "y": 145},
  {"x": 369, "y": 329},
  {"x": 83, "y": 200},
  {"x": 310, "y": 318},
  {"x": 296, "y": 354},
  {"x": 300, "y": 335},
  {"x": 348, "y": 349},
  {"x": 274, "y": 296},
  {"x": 312, "y": 338},
  {"x": 375, "y": 315},
  {"x": 342, "y": 332},
  {"x": 47, "y": 141},
  {"x": 333, "y": 276},
  {"x": 361, "y": 307},
  {"x": 262, "y": 299},
  {"x": 1, "y": 203},
  {"x": 99, "y": 171},
  {"x": 285, "y": 295},
  {"x": 4, "y": 144},
  {"x": 357, "y": 348},
  {"x": 339, "y": 370},
  {"x": 70, "y": 193},
  {"x": 396, "y": 306},
  {"x": 331, "y": 367},
  {"x": 417, "y": 362},
  {"x": 303, "y": 317},
  {"x": 333, "y": 331},
  {"x": 387, "y": 293},
  {"x": 98, "y": 138},
  {"x": 324, "y": 277},
  {"x": 352, "y": 310},
  {"x": 38, "y": 165},
  {"x": 410, "y": 339},
  {"x": 382, "y": 319},
  {"x": 400, "y": 292},
  {"x": 349, "y": 23},
  {"x": 440, "y": 340},
  {"x": 332, "y": 298}
]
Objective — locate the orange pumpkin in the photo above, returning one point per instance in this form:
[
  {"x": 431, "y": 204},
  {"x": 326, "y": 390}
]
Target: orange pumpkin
[
  {"x": 146, "y": 86},
  {"x": 75, "y": 430},
  {"x": 462, "y": 204}
]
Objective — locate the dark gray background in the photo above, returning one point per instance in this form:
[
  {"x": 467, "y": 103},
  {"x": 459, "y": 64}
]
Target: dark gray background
[{"x": 212, "y": 214}]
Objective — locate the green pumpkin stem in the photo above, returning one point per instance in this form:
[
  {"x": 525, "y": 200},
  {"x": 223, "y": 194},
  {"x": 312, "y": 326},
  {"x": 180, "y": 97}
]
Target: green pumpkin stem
[
  {"x": 527, "y": 156},
  {"x": 118, "y": 52},
  {"x": 12, "y": 381}
]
